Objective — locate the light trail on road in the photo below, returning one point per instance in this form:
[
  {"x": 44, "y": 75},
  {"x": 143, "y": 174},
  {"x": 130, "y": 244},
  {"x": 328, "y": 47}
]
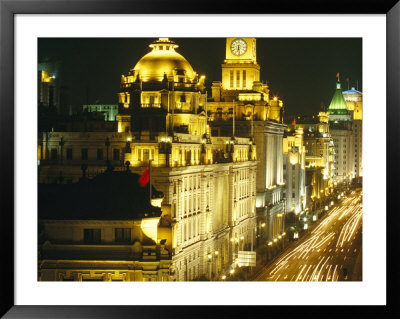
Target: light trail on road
[{"x": 328, "y": 251}]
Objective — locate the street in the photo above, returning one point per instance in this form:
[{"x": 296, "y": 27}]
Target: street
[{"x": 332, "y": 251}]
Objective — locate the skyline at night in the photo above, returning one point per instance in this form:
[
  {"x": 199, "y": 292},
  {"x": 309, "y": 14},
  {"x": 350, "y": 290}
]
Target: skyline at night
[
  {"x": 196, "y": 174},
  {"x": 300, "y": 71}
]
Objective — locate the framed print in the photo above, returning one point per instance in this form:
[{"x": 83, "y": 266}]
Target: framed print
[{"x": 185, "y": 156}]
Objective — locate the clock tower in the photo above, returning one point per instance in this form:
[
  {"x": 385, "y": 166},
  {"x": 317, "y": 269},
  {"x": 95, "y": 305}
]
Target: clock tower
[{"x": 240, "y": 68}]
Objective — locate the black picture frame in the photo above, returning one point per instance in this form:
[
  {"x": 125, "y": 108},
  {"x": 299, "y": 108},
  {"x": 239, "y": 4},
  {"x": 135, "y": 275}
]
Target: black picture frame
[{"x": 8, "y": 10}]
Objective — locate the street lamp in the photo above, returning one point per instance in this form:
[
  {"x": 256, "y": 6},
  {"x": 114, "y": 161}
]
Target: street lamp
[
  {"x": 216, "y": 253},
  {"x": 283, "y": 241},
  {"x": 262, "y": 230},
  {"x": 269, "y": 251},
  {"x": 209, "y": 266},
  {"x": 128, "y": 145}
]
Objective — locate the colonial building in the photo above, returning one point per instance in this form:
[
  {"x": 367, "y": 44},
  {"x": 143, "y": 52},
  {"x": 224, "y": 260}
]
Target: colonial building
[
  {"x": 241, "y": 105},
  {"x": 51, "y": 93},
  {"x": 102, "y": 229},
  {"x": 294, "y": 170},
  {"x": 353, "y": 100},
  {"x": 341, "y": 127},
  {"x": 318, "y": 157},
  {"x": 208, "y": 182}
]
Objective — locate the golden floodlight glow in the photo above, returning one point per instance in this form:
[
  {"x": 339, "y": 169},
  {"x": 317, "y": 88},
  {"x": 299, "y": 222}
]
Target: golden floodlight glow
[
  {"x": 163, "y": 59},
  {"x": 223, "y": 277},
  {"x": 149, "y": 227},
  {"x": 46, "y": 77},
  {"x": 232, "y": 271}
]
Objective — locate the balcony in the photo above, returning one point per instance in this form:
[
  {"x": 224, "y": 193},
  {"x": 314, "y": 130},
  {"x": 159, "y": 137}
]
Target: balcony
[{"x": 152, "y": 105}]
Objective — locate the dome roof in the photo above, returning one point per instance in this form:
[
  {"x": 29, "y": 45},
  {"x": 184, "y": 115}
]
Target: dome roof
[
  {"x": 338, "y": 102},
  {"x": 163, "y": 59}
]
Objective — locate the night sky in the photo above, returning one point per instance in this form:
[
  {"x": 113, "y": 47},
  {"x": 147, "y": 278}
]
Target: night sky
[{"x": 301, "y": 71}]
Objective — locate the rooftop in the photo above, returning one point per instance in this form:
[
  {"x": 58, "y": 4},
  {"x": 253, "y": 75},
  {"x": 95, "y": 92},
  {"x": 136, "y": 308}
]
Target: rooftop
[{"x": 113, "y": 195}]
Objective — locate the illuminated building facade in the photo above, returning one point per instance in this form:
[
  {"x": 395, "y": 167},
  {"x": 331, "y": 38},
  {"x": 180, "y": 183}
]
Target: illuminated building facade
[
  {"x": 208, "y": 182},
  {"x": 47, "y": 95},
  {"x": 294, "y": 170},
  {"x": 341, "y": 127},
  {"x": 256, "y": 115},
  {"x": 353, "y": 100},
  {"x": 102, "y": 229},
  {"x": 318, "y": 157},
  {"x": 51, "y": 93}
]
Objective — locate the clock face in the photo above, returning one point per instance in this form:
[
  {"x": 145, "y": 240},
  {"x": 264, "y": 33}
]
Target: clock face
[{"x": 238, "y": 47}]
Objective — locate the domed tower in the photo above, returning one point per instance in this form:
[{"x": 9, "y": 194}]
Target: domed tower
[
  {"x": 158, "y": 91},
  {"x": 338, "y": 108}
]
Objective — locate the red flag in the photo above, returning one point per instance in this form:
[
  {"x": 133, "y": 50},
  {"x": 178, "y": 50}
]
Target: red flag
[
  {"x": 294, "y": 121},
  {"x": 347, "y": 79},
  {"x": 337, "y": 75},
  {"x": 144, "y": 178}
]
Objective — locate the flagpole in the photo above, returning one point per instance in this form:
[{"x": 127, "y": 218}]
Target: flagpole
[
  {"x": 173, "y": 106},
  {"x": 150, "y": 178},
  {"x": 252, "y": 124},
  {"x": 233, "y": 113},
  {"x": 205, "y": 104}
]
